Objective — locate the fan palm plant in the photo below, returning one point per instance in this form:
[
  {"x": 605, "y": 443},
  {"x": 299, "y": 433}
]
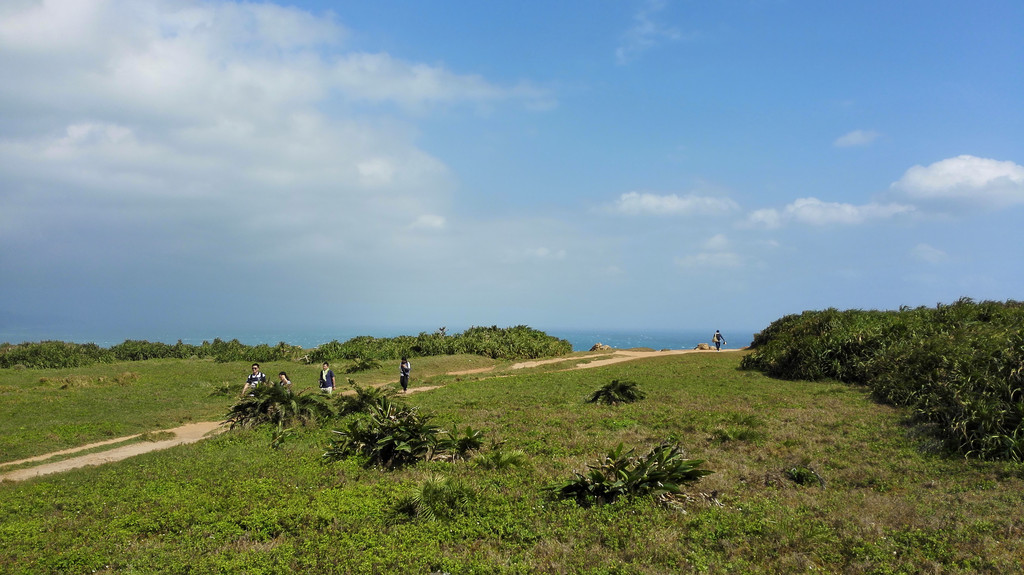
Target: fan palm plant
[
  {"x": 436, "y": 498},
  {"x": 616, "y": 392},
  {"x": 277, "y": 405},
  {"x": 392, "y": 436},
  {"x": 362, "y": 400},
  {"x": 663, "y": 470}
]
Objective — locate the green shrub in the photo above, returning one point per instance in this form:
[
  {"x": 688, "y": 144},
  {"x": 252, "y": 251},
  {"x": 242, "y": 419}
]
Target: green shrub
[
  {"x": 620, "y": 474},
  {"x": 500, "y": 459},
  {"x": 460, "y": 443},
  {"x": 520, "y": 342},
  {"x": 616, "y": 392},
  {"x": 392, "y": 436},
  {"x": 53, "y": 354},
  {"x": 436, "y": 498},
  {"x": 278, "y": 405},
  {"x": 957, "y": 366},
  {"x": 58, "y": 354},
  {"x": 362, "y": 364},
  {"x": 804, "y": 475},
  {"x": 362, "y": 400}
]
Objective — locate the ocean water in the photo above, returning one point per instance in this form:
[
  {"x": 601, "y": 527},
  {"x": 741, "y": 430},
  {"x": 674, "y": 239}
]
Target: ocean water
[{"x": 581, "y": 340}]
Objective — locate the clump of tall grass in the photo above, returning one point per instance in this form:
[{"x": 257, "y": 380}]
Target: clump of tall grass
[{"x": 958, "y": 366}]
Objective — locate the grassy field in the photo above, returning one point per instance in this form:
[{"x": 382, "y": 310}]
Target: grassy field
[{"x": 808, "y": 477}]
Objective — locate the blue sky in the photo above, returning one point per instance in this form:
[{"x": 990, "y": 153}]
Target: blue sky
[{"x": 186, "y": 167}]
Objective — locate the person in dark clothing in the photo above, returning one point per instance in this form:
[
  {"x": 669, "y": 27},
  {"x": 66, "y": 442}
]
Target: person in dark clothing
[
  {"x": 327, "y": 379},
  {"x": 403, "y": 371},
  {"x": 254, "y": 380}
]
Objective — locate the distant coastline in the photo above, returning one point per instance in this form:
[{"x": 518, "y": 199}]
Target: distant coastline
[{"x": 581, "y": 339}]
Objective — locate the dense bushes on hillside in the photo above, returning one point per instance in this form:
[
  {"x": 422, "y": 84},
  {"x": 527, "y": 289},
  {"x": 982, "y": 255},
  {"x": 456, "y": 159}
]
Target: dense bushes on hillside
[
  {"x": 520, "y": 342},
  {"x": 959, "y": 366},
  {"x": 55, "y": 354},
  {"x": 59, "y": 354}
]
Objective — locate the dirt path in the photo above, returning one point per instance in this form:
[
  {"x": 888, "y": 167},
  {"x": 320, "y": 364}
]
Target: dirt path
[
  {"x": 193, "y": 432},
  {"x": 189, "y": 433},
  {"x": 616, "y": 356}
]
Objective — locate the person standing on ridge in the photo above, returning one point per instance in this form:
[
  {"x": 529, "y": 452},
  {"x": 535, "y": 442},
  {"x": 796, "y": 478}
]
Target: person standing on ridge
[
  {"x": 254, "y": 380},
  {"x": 327, "y": 379},
  {"x": 718, "y": 340},
  {"x": 403, "y": 370}
]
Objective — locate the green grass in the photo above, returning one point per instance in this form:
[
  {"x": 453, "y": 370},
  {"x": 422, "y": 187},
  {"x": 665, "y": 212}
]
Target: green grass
[{"x": 891, "y": 502}]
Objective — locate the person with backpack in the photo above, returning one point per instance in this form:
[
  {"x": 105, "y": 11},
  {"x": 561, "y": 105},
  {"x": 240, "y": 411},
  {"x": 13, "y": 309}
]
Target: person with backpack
[{"x": 718, "y": 340}]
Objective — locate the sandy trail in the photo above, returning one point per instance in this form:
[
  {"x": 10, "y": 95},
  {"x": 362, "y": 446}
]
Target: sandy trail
[
  {"x": 189, "y": 433},
  {"x": 193, "y": 432},
  {"x": 617, "y": 356}
]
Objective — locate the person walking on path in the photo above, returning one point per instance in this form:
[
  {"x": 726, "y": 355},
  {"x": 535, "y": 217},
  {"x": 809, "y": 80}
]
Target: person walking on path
[
  {"x": 327, "y": 379},
  {"x": 718, "y": 340},
  {"x": 403, "y": 370},
  {"x": 254, "y": 380}
]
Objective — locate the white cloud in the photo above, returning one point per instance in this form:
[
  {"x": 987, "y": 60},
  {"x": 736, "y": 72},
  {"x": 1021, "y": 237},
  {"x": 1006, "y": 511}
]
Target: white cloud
[
  {"x": 645, "y": 33},
  {"x": 965, "y": 178},
  {"x": 856, "y": 138},
  {"x": 429, "y": 222},
  {"x": 536, "y": 254},
  {"x": 768, "y": 218},
  {"x": 814, "y": 212},
  {"x": 716, "y": 253},
  {"x": 381, "y": 78},
  {"x": 244, "y": 105},
  {"x": 927, "y": 253},
  {"x": 643, "y": 203},
  {"x": 178, "y": 143},
  {"x": 717, "y": 242},
  {"x": 710, "y": 260}
]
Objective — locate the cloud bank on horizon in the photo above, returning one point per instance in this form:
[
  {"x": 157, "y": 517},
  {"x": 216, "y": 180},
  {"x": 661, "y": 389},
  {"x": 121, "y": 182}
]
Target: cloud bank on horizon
[{"x": 185, "y": 166}]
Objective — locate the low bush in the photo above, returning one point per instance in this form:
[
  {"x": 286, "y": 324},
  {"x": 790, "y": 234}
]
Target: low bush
[
  {"x": 436, "y": 498},
  {"x": 459, "y": 443},
  {"x": 500, "y": 459},
  {"x": 960, "y": 367},
  {"x": 392, "y": 436},
  {"x": 278, "y": 405},
  {"x": 362, "y": 400},
  {"x": 59, "y": 354},
  {"x": 520, "y": 342},
  {"x": 616, "y": 392},
  {"x": 620, "y": 474},
  {"x": 362, "y": 364},
  {"x": 53, "y": 354}
]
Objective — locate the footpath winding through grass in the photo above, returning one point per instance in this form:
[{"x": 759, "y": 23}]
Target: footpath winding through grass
[
  {"x": 808, "y": 477},
  {"x": 192, "y": 432}
]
